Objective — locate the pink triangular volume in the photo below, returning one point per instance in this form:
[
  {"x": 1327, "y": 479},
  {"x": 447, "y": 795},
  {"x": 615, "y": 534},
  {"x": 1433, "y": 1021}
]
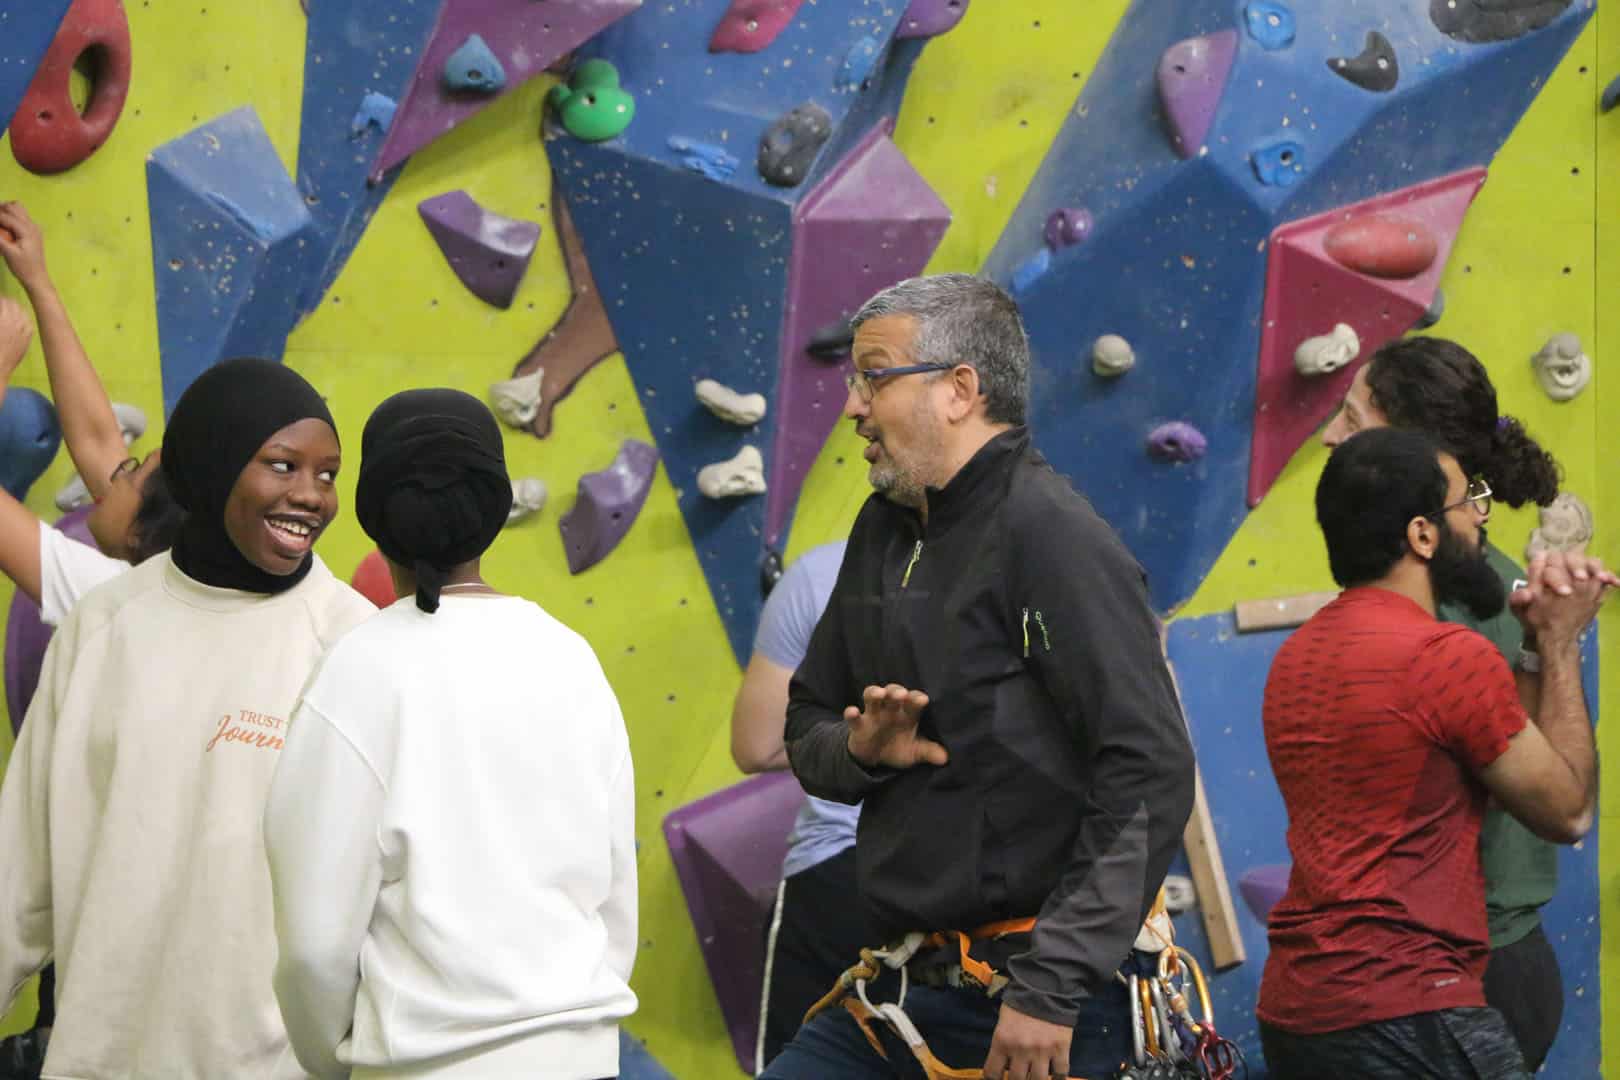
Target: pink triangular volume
[
  {"x": 526, "y": 37},
  {"x": 1308, "y": 291},
  {"x": 871, "y": 222}
]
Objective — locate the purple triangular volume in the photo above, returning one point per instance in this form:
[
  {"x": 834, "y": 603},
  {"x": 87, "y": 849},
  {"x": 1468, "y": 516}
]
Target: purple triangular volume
[
  {"x": 1192, "y": 76},
  {"x": 488, "y": 251},
  {"x": 871, "y": 222},
  {"x": 525, "y": 36}
]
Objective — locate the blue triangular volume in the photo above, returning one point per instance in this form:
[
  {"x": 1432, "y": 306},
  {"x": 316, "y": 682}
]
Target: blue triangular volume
[
  {"x": 1175, "y": 261},
  {"x": 350, "y": 50},
  {"x": 231, "y": 240},
  {"x": 26, "y": 31}
]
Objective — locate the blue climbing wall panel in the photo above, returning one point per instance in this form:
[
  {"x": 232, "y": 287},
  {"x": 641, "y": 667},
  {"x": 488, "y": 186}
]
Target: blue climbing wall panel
[
  {"x": 26, "y": 31},
  {"x": 1176, "y": 258},
  {"x": 231, "y": 241},
  {"x": 654, "y": 230},
  {"x": 350, "y": 50},
  {"x": 1222, "y": 675}
]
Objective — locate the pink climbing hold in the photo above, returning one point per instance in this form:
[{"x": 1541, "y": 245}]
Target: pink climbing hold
[
  {"x": 1192, "y": 76},
  {"x": 750, "y": 25},
  {"x": 1308, "y": 290},
  {"x": 930, "y": 18},
  {"x": 488, "y": 251},
  {"x": 1382, "y": 246}
]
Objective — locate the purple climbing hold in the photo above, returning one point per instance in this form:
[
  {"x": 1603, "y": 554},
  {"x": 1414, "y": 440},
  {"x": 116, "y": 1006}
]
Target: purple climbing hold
[
  {"x": 1192, "y": 76},
  {"x": 1262, "y": 887},
  {"x": 1067, "y": 226},
  {"x": 607, "y": 505},
  {"x": 1176, "y": 441},
  {"x": 488, "y": 252},
  {"x": 930, "y": 18}
]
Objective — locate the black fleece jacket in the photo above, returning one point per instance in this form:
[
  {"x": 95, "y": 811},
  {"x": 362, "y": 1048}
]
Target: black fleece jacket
[{"x": 1022, "y": 616}]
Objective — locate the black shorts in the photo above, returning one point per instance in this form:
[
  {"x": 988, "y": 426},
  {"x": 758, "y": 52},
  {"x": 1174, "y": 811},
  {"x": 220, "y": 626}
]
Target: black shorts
[{"x": 1451, "y": 1044}]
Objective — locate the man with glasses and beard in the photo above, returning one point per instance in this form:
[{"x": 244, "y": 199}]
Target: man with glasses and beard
[{"x": 1388, "y": 731}]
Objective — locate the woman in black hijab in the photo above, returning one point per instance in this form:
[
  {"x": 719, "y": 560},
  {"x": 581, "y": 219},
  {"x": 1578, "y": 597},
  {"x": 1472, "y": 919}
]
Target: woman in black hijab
[
  {"x": 132, "y": 809},
  {"x": 456, "y": 802}
]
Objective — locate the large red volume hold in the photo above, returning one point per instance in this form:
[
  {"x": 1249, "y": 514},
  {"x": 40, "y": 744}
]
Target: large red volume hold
[{"x": 48, "y": 134}]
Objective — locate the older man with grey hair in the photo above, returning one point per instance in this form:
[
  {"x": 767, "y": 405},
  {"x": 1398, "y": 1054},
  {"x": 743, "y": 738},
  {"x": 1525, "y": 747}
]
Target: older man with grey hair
[{"x": 988, "y": 678}]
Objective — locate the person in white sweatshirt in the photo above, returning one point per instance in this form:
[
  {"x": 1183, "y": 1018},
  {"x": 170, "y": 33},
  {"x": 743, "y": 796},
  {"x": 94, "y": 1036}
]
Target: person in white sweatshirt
[
  {"x": 131, "y": 809},
  {"x": 451, "y": 825}
]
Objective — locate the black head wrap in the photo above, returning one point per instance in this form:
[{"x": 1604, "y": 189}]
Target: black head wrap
[
  {"x": 219, "y": 423},
  {"x": 433, "y": 490}
]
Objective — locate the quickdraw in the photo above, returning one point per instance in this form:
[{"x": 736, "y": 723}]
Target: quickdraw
[{"x": 1169, "y": 1043}]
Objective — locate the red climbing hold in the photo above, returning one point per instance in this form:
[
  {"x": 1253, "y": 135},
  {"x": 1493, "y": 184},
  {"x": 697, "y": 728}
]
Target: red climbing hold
[
  {"x": 373, "y": 581},
  {"x": 750, "y": 25},
  {"x": 48, "y": 135},
  {"x": 1386, "y": 247}
]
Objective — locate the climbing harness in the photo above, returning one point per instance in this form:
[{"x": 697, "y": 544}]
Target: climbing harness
[{"x": 1168, "y": 1043}]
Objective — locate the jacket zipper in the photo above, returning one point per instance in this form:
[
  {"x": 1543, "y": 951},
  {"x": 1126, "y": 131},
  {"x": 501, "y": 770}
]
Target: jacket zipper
[
  {"x": 1026, "y": 633},
  {"x": 916, "y": 553}
]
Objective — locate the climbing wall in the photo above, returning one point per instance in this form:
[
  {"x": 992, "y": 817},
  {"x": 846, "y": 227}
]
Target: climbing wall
[
  {"x": 1206, "y": 128},
  {"x": 979, "y": 110}
]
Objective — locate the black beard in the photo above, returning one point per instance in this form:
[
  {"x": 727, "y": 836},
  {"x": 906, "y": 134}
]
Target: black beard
[{"x": 1460, "y": 575}]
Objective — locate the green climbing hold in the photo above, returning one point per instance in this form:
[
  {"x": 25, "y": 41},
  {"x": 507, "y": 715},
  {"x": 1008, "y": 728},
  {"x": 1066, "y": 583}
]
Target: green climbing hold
[{"x": 593, "y": 106}]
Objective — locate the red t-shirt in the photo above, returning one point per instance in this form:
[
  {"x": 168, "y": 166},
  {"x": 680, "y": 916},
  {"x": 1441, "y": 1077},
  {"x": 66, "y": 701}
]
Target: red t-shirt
[{"x": 1377, "y": 717}]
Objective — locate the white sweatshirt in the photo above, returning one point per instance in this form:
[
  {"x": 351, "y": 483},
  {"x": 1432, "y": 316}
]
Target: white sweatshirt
[
  {"x": 130, "y": 822},
  {"x": 451, "y": 840}
]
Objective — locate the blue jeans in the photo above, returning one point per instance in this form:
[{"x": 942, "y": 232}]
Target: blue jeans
[{"x": 958, "y": 1025}]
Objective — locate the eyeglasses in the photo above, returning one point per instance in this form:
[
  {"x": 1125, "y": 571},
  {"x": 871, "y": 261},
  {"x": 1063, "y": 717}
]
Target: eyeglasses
[
  {"x": 1479, "y": 493},
  {"x": 128, "y": 465},
  {"x": 864, "y": 382}
]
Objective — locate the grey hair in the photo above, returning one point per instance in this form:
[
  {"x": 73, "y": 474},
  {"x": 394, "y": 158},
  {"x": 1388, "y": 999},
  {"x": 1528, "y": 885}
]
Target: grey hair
[{"x": 963, "y": 319}]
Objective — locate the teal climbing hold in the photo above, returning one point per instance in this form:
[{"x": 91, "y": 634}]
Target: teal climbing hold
[
  {"x": 593, "y": 106},
  {"x": 473, "y": 67}
]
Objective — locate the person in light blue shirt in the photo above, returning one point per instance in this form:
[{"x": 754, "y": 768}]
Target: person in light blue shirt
[{"x": 815, "y": 930}]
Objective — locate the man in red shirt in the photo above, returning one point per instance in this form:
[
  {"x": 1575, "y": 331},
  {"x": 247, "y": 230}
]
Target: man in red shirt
[{"x": 1388, "y": 731}]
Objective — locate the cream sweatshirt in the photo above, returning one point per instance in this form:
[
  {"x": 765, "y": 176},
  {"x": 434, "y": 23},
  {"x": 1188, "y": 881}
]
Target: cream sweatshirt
[
  {"x": 451, "y": 840},
  {"x": 131, "y": 846}
]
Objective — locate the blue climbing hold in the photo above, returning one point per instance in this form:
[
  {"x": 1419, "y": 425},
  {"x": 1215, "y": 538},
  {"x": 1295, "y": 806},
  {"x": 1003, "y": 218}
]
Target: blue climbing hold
[
  {"x": 375, "y": 111},
  {"x": 1031, "y": 270},
  {"x": 1270, "y": 23},
  {"x": 1611, "y": 94},
  {"x": 1279, "y": 163},
  {"x": 29, "y": 437},
  {"x": 705, "y": 158},
  {"x": 858, "y": 64},
  {"x": 473, "y": 67}
]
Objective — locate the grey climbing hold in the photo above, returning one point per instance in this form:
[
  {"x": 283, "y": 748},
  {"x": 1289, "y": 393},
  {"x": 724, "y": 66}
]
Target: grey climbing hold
[
  {"x": 744, "y": 410},
  {"x": 607, "y": 506},
  {"x": 831, "y": 342},
  {"x": 790, "y": 145},
  {"x": 705, "y": 158},
  {"x": 1177, "y": 442},
  {"x": 1562, "y": 367},
  {"x": 1066, "y": 226},
  {"x": 1480, "y": 21},
  {"x": 1375, "y": 68},
  {"x": 743, "y": 474},
  {"x": 1437, "y": 308},
  {"x": 473, "y": 67},
  {"x": 528, "y": 497},
  {"x": 517, "y": 400},
  {"x": 1112, "y": 356}
]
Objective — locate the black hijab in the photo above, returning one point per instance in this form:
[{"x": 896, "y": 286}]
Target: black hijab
[
  {"x": 219, "y": 423},
  {"x": 433, "y": 490}
]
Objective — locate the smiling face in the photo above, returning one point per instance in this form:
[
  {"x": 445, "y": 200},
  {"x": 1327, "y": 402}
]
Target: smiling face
[
  {"x": 285, "y": 497},
  {"x": 112, "y": 520},
  {"x": 905, "y": 433}
]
